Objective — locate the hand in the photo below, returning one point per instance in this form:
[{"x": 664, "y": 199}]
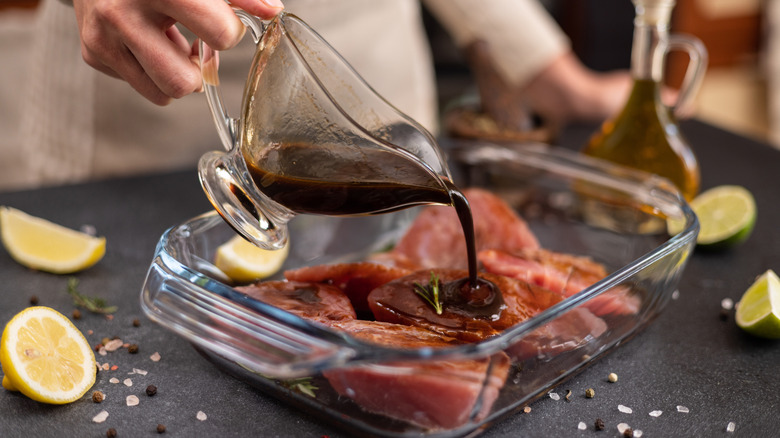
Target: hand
[{"x": 137, "y": 40}]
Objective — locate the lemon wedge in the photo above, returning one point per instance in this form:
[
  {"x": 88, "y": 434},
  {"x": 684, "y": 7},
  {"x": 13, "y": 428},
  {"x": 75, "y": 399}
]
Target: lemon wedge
[
  {"x": 45, "y": 357},
  {"x": 46, "y": 246},
  {"x": 243, "y": 262}
]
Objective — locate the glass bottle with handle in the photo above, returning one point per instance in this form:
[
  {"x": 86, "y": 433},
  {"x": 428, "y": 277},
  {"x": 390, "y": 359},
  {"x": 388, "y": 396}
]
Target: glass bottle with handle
[{"x": 645, "y": 134}]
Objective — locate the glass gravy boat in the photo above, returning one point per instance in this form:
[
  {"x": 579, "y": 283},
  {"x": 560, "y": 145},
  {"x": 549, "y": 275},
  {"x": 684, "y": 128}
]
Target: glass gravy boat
[{"x": 313, "y": 137}]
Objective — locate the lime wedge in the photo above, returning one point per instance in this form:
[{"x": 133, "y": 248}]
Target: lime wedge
[
  {"x": 726, "y": 214},
  {"x": 758, "y": 311}
]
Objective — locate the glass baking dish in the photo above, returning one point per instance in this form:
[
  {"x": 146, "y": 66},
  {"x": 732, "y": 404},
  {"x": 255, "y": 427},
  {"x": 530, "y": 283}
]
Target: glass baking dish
[{"x": 574, "y": 204}]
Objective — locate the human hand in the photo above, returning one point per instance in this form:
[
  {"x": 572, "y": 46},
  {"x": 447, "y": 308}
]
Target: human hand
[{"x": 137, "y": 40}]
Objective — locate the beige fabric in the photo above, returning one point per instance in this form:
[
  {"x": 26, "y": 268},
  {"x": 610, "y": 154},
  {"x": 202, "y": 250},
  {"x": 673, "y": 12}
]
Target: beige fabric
[
  {"x": 77, "y": 124},
  {"x": 522, "y": 37}
]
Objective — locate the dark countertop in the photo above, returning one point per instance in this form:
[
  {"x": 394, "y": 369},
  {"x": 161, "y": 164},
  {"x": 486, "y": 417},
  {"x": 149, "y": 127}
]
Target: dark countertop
[{"x": 689, "y": 356}]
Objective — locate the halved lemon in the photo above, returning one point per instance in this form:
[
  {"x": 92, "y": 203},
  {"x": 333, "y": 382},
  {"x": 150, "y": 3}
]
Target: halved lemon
[
  {"x": 46, "y": 246},
  {"x": 758, "y": 312},
  {"x": 45, "y": 357},
  {"x": 243, "y": 262}
]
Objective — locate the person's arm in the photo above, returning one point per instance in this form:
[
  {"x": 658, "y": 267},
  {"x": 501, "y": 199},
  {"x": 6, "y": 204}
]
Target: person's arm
[
  {"x": 137, "y": 40},
  {"x": 523, "y": 61}
]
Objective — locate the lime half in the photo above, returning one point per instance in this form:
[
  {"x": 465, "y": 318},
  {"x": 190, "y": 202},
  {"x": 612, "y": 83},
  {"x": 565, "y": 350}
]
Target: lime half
[
  {"x": 726, "y": 214},
  {"x": 758, "y": 312}
]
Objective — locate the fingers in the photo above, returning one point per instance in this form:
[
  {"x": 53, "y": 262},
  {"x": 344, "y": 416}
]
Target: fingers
[
  {"x": 136, "y": 40},
  {"x": 265, "y": 9}
]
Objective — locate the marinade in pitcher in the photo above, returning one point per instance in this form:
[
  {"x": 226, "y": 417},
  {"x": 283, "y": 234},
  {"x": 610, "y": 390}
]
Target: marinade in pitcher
[{"x": 308, "y": 179}]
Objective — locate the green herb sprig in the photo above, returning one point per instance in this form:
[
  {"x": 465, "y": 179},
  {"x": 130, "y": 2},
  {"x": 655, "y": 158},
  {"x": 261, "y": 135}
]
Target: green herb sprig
[
  {"x": 304, "y": 385},
  {"x": 430, "y": 293},
  {"x": 93, "y": 304}
]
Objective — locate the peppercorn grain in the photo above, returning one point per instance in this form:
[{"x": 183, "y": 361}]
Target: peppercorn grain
[
  {"x": 98, "y": 397},
  {"x": 151, "y": 390}
]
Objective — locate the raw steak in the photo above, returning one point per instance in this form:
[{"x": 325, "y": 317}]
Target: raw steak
[{"x": 435, "y": 394}]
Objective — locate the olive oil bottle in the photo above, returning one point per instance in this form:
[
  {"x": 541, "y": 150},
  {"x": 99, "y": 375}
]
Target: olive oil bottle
[{"x": 645, "y": 134}]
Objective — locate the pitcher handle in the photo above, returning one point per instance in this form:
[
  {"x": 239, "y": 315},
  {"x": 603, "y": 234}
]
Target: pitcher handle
[
  {"x": 697, "y": 66},
  {"x": 227, "y": 127}
]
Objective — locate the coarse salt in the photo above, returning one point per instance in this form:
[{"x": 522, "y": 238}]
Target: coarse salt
[
  {"x": 113, "y": 345},
  {"x": 105, "y": 366},
  {"x": 100, "y": 417},
  {"x": 201, "y": 416},
  {"x": 155, "y": 357},
  {"x": 625, "y": 409},
  {"x": 727, "y": 303},
  {"x": 682, "y": 409},
  {"x": 132, "y": 400},
  {"x": 137, "y": 371},
  {"x": 582, "y": 426},
  {"x": 102, "y": 351},
  {"x": 656, "y": 413},
  {"x": 555, "y": 396},
  {"x": 731, "y": 426},
  {"x": 675, "y": 294},
  {"x": 113, "y": 380},
  {"x": 637, "y": 433},
  {"x": 622, "y": 427},
  {"x": 128, "y": 382}
]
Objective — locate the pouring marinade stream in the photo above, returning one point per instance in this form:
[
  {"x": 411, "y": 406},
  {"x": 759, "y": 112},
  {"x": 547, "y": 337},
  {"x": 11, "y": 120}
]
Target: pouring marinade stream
[{"x": 302, "y": 178}]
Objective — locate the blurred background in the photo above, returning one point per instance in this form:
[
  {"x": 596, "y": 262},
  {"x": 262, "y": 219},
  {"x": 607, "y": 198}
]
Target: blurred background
[
  {"x": 738, "y": 35},
  {"x": 736, "y": 93}
]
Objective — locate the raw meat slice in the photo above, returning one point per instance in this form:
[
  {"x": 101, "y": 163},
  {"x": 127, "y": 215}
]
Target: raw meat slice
[
  {"x": 561, "y": 273},
  {"x": 434, "y": 394},
  {"x": 397, "y": 302},
  {"x": 315, "y": 301},
  {"x": 435, "y": 239},
  {"x": 356, "y": 280}
]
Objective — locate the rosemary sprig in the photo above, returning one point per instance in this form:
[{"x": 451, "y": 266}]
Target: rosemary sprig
[
  {"x": 93, "y": 304},
  {"x": 430, "y": 293},
  {"x": 304, "y": 385}
]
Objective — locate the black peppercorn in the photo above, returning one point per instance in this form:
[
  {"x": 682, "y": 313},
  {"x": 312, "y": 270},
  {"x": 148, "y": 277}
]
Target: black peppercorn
[
  {"x": 136, "y": 322},
  {"x": 160, "y": 428},
  {"x": 132, "y": 348},
  {"x": 76, "y": 314},
  {"x": 628, "y": 433},
  {"x": 34, "y": 300},
  {"x": 98, "y": 397},
  {"x": 151, "y": 390},
  {"x": 111, "y": 433},
  {"x": 599, "y": 424}
]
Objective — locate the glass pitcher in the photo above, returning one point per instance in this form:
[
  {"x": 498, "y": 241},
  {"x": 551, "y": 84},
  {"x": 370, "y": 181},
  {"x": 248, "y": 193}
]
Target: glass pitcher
[
  {"x": 313, "y": 137},
  {"x": 645, "y": 135}
]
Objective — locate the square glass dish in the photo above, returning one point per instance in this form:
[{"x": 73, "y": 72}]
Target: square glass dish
[{"x": 573, "y": 204}]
